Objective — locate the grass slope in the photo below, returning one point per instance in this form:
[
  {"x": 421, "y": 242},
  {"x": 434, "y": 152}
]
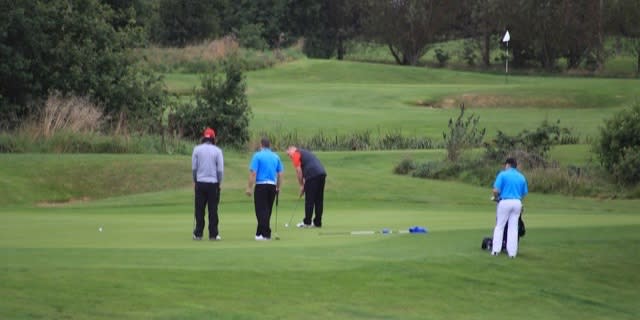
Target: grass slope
[
  {"x": 578, "y": 260},
  {"x": 341, "y": 97}
]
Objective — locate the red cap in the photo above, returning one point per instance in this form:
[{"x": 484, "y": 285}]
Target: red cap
[{"x": 209, "y": 133}]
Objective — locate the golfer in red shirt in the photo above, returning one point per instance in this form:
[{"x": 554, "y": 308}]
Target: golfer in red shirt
[{"x": 311, "y": 178}]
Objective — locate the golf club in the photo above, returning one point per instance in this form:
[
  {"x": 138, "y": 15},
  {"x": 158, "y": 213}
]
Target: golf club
[
  {"x": 295, "y": 208},
  {"x": 362, "y": 232},
  {"x": 276, "y": 231},
  {"x": 412, "y": 230}
]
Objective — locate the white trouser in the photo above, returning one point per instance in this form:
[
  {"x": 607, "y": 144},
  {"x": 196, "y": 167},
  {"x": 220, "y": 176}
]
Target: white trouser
[{"x": 508, "y": 212}]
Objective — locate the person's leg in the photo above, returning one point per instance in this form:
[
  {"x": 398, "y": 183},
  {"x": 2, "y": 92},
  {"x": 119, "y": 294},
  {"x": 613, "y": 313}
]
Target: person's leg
[
  {"x": 512, "y": 233},
  {"x": 319, "y": 200},
  {"x": 200, "y": 202},
  {"x": 271, "y": 197},
  {"x": 309, "y": 201},
  {"x": 501, "y": 219},
  {"x": 260, "y": 204},
  {"x": 264, "y": 196},
  {"x": 213, "y": 200}
]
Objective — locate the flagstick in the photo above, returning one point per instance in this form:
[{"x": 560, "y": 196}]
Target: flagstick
[
  {"x": 506, "y": 39},
  {"x": 506, "y": 67}
]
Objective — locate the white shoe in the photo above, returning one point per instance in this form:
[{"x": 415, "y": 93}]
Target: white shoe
[
  {"x": 302, "y": 225},
  {"x": 261, "y": 238},
  {"x": 217, "y": 238}
]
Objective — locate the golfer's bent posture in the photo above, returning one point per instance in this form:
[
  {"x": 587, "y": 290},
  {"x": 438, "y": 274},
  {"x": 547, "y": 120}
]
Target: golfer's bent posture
[
  {"x": 511, "y": 188},
  {"x": 264, "y": 181},
  {"x": 207, "y": 165},
  {"x": 311, "y": 178}
]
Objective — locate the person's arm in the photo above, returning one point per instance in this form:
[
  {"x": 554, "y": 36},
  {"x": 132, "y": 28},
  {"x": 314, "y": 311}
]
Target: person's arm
[
  {"x": 194, "y": 167},
  {"x": 279, "y": 181},
  {"x": 496, "y": 187},
  {"x": 300, "y": 179},
  {"x": 251, "y": 183},
  {"x": 220, "y": 168}
]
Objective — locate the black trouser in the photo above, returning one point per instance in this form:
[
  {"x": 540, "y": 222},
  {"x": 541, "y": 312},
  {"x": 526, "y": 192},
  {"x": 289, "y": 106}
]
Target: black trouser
[
  {"x": 314, "y": 199},
  {"x": 207, "y": 195},
  {"x": 263, "y": 198}
]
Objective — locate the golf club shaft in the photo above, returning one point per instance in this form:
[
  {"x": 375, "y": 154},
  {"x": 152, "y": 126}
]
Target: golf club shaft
[
  {"x": 361, "y": 232},
  {"x": 295, "y": 208}
]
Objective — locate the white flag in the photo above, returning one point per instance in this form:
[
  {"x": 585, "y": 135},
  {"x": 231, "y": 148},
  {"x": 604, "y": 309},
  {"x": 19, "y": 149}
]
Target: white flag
[{"x": 507, "y": 37}]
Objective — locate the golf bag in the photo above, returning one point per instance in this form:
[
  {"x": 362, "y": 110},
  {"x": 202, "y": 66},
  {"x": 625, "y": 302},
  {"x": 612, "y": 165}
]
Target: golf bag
[{"x": 487, "y": 242}]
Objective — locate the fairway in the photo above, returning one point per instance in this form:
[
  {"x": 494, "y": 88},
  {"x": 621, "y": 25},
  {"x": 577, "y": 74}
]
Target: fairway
[
  {"x": 578, "y": 260},
  {"x": 108, "y": 236}
]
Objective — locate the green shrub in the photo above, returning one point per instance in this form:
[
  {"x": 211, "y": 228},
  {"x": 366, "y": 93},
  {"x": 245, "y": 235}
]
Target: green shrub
[
  {"x": 463, "y": 134},
  {"x": 250, "y": 36},
  {"x": 627, "y": 170},
  {"x": 405, "y": 166},
  {"x": 618, "y": 143},
  {"x": 221, "y": 104},
  {"x": 358, "y": 140},
  {"x": 442, "y": 57},
  {"x": 529, "y": 147}
]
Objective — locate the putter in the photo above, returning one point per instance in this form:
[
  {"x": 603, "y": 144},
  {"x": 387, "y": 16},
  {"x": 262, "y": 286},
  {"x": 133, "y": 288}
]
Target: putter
[{"x": 295, "y": 208}]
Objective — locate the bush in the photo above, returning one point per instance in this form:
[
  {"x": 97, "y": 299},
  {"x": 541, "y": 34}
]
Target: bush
[
  {"x": 250, "y": 36},
  {"x": 618, "y": 139},
  {"x": 405, "y": 166},
  {"x": 463, "y": 134},
  {"x": 221, "y": 104},
  {"x": 442, "y": 57},
  {"x": 627, "y": 170},
  {"x": 529, "y": 147}
]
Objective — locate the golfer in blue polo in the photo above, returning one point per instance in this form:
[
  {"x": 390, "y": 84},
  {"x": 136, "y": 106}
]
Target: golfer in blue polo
[
  {"x": 264, "y": 182},
  {"x": 511, "y": 188}
]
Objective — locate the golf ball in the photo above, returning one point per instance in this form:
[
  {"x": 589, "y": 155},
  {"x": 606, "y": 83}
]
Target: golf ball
[
  {"x": 100, "y": 229},
  {"x": 286, "y": 225}
]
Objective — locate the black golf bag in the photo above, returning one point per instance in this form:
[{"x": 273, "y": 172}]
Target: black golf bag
[{"x": 487, "y": 242}]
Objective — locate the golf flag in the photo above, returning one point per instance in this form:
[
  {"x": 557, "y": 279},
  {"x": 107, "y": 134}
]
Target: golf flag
[{"x": 507, "y": 37}]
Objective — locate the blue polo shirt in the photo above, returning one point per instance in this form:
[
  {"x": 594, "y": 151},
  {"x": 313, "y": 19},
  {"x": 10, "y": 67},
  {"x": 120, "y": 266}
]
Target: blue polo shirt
[
  {"x": 511, "y": 184},
  {"x": 266, "y": 164}
]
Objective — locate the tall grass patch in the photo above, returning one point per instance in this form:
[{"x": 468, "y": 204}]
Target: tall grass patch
[
  {"x": 355, "y": 140},
  {"x": 206, "y": 56}
]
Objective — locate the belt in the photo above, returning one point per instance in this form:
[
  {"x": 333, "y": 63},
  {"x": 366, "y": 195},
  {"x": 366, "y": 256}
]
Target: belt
[{"x": 266, "y": 182}]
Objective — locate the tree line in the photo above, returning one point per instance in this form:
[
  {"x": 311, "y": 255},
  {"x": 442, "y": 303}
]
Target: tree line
[
  {"x": 543, "y": 30},
  {"x": 84, "y": 47}
]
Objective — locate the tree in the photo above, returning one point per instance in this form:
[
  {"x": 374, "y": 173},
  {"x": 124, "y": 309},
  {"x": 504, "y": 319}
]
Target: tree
[
  {"x": 547, "y": 30},
  {"x": 407, "y": 27},
  {"x": 486, "y": 22},
  {"x": 623, "y": 20},
  {"x": 326, "y": 25},
  {"x": 181, "y": 22},
  {"x": 71, "y": 46},
  {"x": 267, "y": 17}
]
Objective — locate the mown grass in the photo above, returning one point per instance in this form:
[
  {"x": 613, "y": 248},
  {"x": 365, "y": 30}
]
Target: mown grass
[
  {"x": 577, "y": 261},
  {"x": 311, "y": 96}
]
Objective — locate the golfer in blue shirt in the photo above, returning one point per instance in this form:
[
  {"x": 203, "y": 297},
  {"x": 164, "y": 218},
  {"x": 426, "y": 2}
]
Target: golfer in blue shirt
[
  {"x": 264, "y": 182},
  {"x": 511, "y": 188}
]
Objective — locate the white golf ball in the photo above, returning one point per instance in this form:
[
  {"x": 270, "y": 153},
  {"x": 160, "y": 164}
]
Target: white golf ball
[
  {"x": 100, "y": 229},
  {"x": 286, "y": 225}
]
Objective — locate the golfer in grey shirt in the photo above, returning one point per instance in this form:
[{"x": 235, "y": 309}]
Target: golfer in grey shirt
[{"x": 207, "y": 165}]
